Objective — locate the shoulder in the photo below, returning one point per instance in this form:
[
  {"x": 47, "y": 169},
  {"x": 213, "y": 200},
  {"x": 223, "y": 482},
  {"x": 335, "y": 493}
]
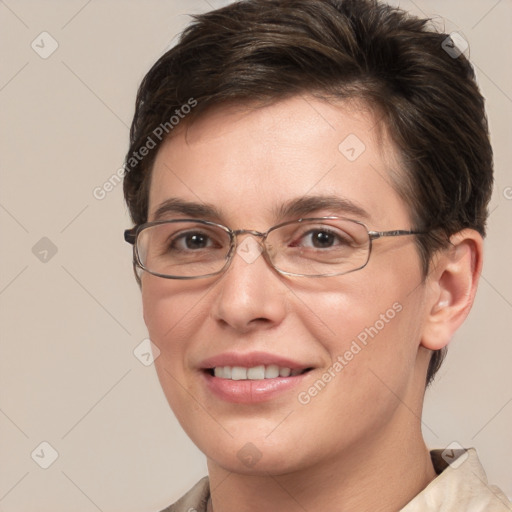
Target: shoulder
[
  {"x": 194, "y": 500},
  {"x": 461, "y": 484}
]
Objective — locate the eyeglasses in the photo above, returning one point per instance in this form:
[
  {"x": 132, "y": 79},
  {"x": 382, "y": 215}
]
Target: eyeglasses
[{"x": 312, "y": 247}]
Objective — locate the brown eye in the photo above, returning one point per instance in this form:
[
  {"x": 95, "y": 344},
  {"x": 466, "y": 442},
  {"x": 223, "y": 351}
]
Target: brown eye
[
  {"x": 322, "y": 239},
  {"x": 192, "y": 241},
  {"x": 196, "y": 241}
]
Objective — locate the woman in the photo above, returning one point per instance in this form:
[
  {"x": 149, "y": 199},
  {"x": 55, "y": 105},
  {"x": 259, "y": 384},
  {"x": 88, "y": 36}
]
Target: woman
[{"x": 309, "y": 184}]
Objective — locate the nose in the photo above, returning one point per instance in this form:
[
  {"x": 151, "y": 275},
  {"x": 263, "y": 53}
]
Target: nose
[{"x": 250, "y": 294}]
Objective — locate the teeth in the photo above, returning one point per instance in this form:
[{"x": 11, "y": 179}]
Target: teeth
[
  {"x": 284, "y": 372},
  {"x": 272, "y": 371},
  {"x": 238, "y": 373},
  {"x": 256, "y": 373}
]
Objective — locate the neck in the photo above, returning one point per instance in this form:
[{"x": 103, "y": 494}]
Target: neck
[{"x": 379, "y": 476}]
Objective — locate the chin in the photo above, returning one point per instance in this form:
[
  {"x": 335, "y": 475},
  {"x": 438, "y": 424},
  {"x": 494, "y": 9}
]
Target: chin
[
  {"x": 254, "y": 455},
  {"x": 251, "y": 461}
]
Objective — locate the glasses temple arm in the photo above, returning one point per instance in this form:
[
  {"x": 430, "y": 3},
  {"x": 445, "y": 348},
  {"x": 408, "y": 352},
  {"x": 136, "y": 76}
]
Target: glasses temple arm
[
  {"x": 397, "y": 232},
  {"x": 130, "y": 235}
]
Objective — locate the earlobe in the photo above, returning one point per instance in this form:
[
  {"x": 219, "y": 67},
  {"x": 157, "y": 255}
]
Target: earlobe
[{"x": 452, "y": 283}]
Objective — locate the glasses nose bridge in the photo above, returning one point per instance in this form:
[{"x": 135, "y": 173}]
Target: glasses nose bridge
[
  {"x": 236, "y": 233},
  {"x": 234, "y": 240}
]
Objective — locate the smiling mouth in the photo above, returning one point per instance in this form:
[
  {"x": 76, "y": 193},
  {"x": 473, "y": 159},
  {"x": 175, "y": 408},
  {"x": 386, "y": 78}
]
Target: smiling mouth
[{"x": 260, "y": 372}]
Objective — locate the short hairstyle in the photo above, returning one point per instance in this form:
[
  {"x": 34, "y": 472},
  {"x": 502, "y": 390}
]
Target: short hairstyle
[{"x": 262, "y": 51}]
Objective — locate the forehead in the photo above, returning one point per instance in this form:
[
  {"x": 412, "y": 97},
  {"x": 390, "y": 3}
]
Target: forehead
[{"x": 249, "y": 162}]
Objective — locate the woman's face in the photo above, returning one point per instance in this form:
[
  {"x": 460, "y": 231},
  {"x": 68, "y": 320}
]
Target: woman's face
[{"x": 358, "y": 335}]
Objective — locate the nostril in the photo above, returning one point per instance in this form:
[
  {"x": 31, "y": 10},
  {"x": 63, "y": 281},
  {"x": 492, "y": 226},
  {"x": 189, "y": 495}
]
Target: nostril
[{"x": 260, "y": 320}]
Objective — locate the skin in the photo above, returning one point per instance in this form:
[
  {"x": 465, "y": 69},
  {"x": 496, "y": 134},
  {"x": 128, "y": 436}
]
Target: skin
[{"x": 358, "y": 442}]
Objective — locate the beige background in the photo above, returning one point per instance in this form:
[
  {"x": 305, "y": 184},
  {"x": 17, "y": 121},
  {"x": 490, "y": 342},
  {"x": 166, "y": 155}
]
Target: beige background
[{"x": 68, "y": 375}]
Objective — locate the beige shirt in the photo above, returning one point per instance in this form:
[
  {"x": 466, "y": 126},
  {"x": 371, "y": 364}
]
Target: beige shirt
[{"x": 460, "y": 486}]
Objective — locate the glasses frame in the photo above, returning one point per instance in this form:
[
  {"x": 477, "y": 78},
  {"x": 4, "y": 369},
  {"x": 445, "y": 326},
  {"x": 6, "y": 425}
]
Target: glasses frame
[{"x": 131, "y": 236}]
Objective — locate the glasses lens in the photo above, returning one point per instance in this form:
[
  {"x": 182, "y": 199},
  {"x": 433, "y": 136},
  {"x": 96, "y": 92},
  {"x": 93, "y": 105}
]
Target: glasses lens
[
  {"x": 183, "y": 249},
  {"x": 325, "y": 247}
]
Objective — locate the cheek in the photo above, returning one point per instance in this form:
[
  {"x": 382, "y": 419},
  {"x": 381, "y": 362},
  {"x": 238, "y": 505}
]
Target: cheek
[
  {"x": 171, "y": 319},
  {"x": 155, "y": 304},
  {"x": 170, "y": 315},
  {"x": 372, "y": 342},
  {"x": 350, "y": 308},
  {"x": 370, "y": 322},
  {"x": 170, "y": 307}
]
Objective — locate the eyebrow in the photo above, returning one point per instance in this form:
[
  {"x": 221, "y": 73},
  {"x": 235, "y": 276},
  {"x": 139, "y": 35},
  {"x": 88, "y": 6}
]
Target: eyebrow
[
  {"x": 309, "y": 204},
  {"x": 177, "y": 206},
  {"x": 295, "y": 208}
]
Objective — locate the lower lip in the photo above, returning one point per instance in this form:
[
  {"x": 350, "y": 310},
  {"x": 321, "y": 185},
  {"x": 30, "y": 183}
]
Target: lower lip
[{"x": 250, "y": 391}]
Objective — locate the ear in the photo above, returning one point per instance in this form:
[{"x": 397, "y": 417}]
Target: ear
[{"x": 452, "y": 284}]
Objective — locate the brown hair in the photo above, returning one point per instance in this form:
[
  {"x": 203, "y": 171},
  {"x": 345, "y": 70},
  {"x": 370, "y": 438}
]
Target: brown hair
[{"x": 265, "y": 50}]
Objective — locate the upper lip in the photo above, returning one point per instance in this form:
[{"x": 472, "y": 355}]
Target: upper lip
[{"x": 250, "y": 360}]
